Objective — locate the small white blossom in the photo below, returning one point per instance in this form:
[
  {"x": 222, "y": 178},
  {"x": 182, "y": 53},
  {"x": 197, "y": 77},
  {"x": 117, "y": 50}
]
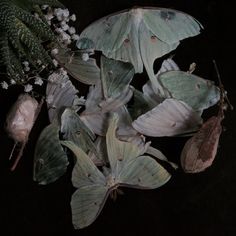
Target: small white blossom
[
  {"x": 71, "y": 30},
  {"x": 65, "y": 27},
  {"x": 36, "y": 15},
  {"x": 53, "y": 77},
  {"x": 54, "y": 51},
  {"x": 44, "y": 7},
  {"x": 66, "y": 13},
  {"x": 75, "y": 37},
  {"x": 27, "y": 68},
  {"x": 73, "y": 17},
  {"x": 59, "y": 30},
  {"x": 39, "y": 62},
  {"x": 4, "y": 85},
  {"x": 85, "y": 56},
  {"x": 25, "y": 63},
  {"x": 12, "y": 81},
  {"x": 50, "y": 99},
  {"x": 55, "y": 62},
  {"x": 63, "y": 72},
  {"x": 38, "y": 80},
  {"x": 28, "y": 88},
  {"x": 49, "y": 16}
]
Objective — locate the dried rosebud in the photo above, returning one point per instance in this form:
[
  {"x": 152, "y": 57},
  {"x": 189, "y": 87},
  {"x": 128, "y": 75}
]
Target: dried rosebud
[
  {"x": 21, "y": 117},
  {"x": 199, "y": 151},
  {"x": 20, "y": 121}
]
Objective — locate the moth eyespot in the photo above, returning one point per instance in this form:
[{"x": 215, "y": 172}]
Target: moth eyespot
[
  {"x": 126, "y": 41},
  {"x": 153, "y": 38},
  {"x": 198, "y": 86},
  {"x": 167, "y": 15},
  {"x": 95, "y": 203},
  {"x": 139, "y": 180},
  {"x": 89, "y": 175},
  {"x": 120, "y": 159},
  {"x": 173, "y": 124}
]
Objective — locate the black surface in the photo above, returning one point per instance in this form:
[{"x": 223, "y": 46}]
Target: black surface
[{"x": 202, "y": 204}]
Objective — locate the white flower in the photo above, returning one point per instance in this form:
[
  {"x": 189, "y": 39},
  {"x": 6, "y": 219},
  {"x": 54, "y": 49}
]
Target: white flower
[
  {"x": 44, "y": 7},
  {"x": 4, "y": 85},
  {"x": 71, "y": 30},
  {"x": 38, "y": 80},
  {"x": 12, "y": 81},
  {"x": 59, "y": 30},
  {"x": 28, "y": 88},
  {"x": 66, "y": 13},
  {"x": 39, "y": 62},
  {"x": 36, "y": 15},
  {"x": 55, "y": 62},
  {"x": 50, "y": 99},
  {"x": 27, "y": 68},
  {"x": 65, "y": 27},
  {"x": 63, "y": 72},
  {"x": 49, "y": 16},
  {"x": 75, "y": 37},
  {"x": 25, "y": 63},
  {"x": 54, "y": 51},
  {"x": 73, "y": 17},
  {"x": 85, "y": 56},
  {"x": 53, "y": 77}
]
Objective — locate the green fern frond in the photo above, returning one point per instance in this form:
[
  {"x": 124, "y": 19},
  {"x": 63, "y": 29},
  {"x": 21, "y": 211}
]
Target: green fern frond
[
  {"x": 10, "y": 60},
  {"x": 40, "y": 28},
  {"x": 32, "y": 43}
]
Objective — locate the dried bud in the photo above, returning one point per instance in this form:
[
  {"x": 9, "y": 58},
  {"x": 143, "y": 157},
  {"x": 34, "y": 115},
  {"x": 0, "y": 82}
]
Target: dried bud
[
  {"x": 20, "y": 121},
  {"x": 21, "y": 118}
]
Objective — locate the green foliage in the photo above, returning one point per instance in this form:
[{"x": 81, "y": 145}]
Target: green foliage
[{"x": 22, "y": 35}]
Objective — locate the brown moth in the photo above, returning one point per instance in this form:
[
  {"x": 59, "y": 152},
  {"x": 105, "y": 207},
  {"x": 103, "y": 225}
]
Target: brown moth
[
  {"x": 199, "y": 151},
  {"x": 20, "y": 121}
]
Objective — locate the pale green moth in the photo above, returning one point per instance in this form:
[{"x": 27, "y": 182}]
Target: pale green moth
[
  {"x": 171, "y": 117},
  {"x": 74, "y": 129},
  {"x": 110, "y": 95},
  {"x": 197, "y": 92},
  {"x": 139, "y": 36},
  {"x": 128, "y": 167},
  {"x": 50, "y": 161}
]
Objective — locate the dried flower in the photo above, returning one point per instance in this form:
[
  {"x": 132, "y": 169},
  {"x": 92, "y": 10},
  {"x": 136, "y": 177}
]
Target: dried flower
[
  {"x": 4, "y": 85},
  {"x": 28, "y": 88},
  {"x": 38, "y": 80}
]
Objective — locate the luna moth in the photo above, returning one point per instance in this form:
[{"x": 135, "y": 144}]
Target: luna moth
[
  {"x": 199, "y": 151},
  {"x": 171, "y": 117},
  {"x": 128, "y": 167},
  {"x": 50, "y": 160},
  {"x": 139, "y": 36}
]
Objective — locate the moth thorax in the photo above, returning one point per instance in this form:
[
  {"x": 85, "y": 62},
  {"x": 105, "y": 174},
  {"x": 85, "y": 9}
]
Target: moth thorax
[
  {"x": 137, "y": 15},
  {"x": 110, "y": 181}
]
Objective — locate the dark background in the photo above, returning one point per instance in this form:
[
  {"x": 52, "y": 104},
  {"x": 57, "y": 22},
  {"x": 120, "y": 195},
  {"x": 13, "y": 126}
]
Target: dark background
[{"x": 201, "y": 204}]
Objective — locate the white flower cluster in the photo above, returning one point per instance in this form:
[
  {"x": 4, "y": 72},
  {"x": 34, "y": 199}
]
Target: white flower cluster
[{"x": 60, "y": 19}]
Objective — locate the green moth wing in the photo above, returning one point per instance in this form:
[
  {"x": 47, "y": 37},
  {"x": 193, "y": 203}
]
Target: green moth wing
[
  {"x": 74, "y": 129},
  {"x": 140, "y": 35},
  {"x": 116, "y": 76},
  {"x": 172, "y": 117},
  {"x": 119, "y": 152},
  {"x": 89, "y": 198},
  {"x": 86, "y": 204},
  {"x": 85, "y": 172},
  {"x": 197, "y": 92},
  {"x": 86, "y": 72},
  {"x": 50, "y": 161},
  {"x": 143, "y": 172}
]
